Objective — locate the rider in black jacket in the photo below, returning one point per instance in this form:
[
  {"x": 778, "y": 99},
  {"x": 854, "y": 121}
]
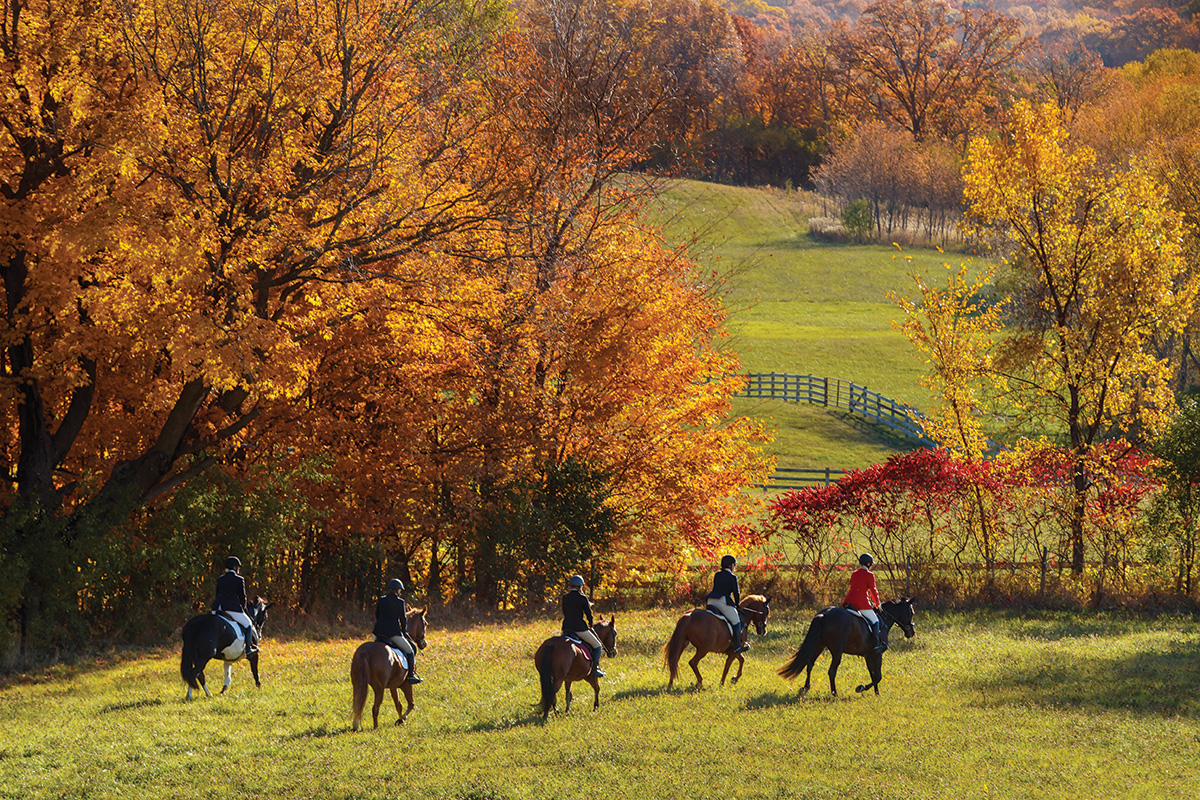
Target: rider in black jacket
[
  {"x": 725, "y": 599},
  {"x": 391, "y": 625},
  {"x": 231, "y": 599},
  {"x": 576, "y": 606}
]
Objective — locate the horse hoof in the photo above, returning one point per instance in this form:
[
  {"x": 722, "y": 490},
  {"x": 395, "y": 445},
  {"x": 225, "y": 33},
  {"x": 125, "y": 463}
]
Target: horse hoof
[
  {"x": 860, "y": 689},
  {"x": 733, "y": 681}
]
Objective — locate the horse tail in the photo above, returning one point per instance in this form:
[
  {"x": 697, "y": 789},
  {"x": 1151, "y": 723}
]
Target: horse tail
[
  {"x": 187, "y": 661},
  {"x": 360, "y": 679},
  {"x": 810, "y": 648},
  {"x": 544, "y": 658},
  {"x": 674, "y": 647}
]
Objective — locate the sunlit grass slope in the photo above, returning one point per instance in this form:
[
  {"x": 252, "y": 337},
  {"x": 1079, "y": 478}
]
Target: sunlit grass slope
[
  {"x": 976, "y": 706},
  {"x": 799, "y": 306}
]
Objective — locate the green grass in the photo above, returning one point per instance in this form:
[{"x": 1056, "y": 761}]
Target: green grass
[
  {"x": 981, "y": 705},
  {"x": 800, "y": 306}
]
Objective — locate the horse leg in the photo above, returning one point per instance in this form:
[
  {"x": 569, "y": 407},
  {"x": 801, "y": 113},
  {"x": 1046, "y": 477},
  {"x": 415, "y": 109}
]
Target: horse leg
[
  {"x": 408, "y": 698},
  {"x": 200, "y": 680},
  {"x": 875, "y": 668},
  {"x": 741, "y": 663},
  {"x": 729, "y": 663},
  {"x": 399, "y": 710},
  {"x": 694, "y": 664},
  {"x": 378, "y": 702},
  {"x": 253, "y": 658},
  {"x": 228, "y": 676},
  {"x": 595, "y": 682},
  {"x": 836, "y": 659}
]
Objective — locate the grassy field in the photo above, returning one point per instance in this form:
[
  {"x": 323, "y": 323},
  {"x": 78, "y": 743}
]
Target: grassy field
[
  {"x": 975, "y": 706},
  {"x": 796, "y": 305}
]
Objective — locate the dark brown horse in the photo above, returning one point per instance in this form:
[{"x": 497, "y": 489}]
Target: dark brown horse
[
  {"x": 841, "y": 631},
  {"x": 560, "y": 662},
  {"x": 709, "y": 633},
  {"x": 377, "y": 666}
]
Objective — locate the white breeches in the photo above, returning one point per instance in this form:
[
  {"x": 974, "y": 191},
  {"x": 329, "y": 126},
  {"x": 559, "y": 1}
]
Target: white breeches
[
  {"x": 587, "y": 637},
  {"x": 729, "y": 612},
  {"x": 401, "y": 642},
  {"x": 241, "y": 618},
  {"x": 869, "y": 615}
]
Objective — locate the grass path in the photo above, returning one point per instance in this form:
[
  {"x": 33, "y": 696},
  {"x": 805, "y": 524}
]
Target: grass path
[{"x": 976, "y": 706}]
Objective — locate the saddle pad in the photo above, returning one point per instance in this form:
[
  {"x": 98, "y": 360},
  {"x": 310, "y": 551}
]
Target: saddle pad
[
  {"x": 400, "y": 654},
  {"x": 582, "y": 645},
  {"x": 721, "y": 617}
]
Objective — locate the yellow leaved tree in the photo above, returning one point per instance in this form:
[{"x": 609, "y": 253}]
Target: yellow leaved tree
[{"x": 1095, "y": 260}]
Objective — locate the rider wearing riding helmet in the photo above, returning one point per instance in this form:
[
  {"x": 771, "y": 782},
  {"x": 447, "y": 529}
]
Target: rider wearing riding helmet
[
  {"x": 725, "y": 599},
  {"x": 576, "y": 606},
  {"x": 864, "y": 597},
  {"x": 391, "y": 625},
  {"x": 231, "y": 599}
]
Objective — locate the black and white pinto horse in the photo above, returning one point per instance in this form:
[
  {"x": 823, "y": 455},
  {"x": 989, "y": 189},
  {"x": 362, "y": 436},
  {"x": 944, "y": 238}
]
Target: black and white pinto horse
[{"x": 214, "y": 635}]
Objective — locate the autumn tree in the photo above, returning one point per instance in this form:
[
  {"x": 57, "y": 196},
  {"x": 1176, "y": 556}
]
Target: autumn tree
[
  {"x": 1097, "y": 270},
  {"x": 927, "y": 69}
]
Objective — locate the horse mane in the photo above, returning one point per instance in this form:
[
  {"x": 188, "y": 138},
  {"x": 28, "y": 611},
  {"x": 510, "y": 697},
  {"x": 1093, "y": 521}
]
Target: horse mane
[{"x": 758, "y": 597}]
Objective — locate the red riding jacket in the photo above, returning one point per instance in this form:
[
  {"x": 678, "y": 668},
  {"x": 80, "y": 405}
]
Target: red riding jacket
[{"x": 863, "y": 594}]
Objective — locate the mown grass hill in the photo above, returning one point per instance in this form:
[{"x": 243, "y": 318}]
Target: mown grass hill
[{"x": 801, "y": 306}]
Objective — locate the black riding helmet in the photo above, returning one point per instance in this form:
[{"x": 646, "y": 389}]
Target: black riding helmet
[
  {"x": 394, "y": 584},
  {"x": 233, "y": 563},
  {"x": 728, "y": 562},
  {"x": 866, "y": 559}
]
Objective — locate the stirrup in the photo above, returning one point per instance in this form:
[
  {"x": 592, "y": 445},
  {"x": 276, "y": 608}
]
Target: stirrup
[{"x": 414, "y": 679}]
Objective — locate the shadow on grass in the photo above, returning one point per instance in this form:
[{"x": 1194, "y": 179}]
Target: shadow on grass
[
  {"x": 131, "y": 705},
  {"x": 508, "y": 723},
  {"x": 640, "y": 693},
  {"x": 324, "y": 731},
  {"x": 1161, "y": 682}
]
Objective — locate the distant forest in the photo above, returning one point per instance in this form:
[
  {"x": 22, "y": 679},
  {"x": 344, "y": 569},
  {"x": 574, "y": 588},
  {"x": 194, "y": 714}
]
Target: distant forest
[{"x": 1122, "y": 31}]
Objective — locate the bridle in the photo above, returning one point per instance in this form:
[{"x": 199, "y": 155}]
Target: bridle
[
  {"x": 909, "y": 629},
  {"x": 759, "y": 618}
]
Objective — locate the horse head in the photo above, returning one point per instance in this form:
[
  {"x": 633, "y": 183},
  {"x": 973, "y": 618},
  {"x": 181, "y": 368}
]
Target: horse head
[
  {"x": 257, "y": 611},
  {"x": 416, "y": 626},
  {"x": 606, "y": 632},
  {"x": 757, "y": 608},
  {"x": 901, "y": 611}
]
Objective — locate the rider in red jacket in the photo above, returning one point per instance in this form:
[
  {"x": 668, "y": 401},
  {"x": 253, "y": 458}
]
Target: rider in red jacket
[{"x": 864, "y": 597}]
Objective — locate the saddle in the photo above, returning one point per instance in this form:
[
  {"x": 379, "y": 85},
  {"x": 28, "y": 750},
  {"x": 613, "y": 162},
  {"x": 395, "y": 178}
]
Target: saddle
[
  {"x": 400, "y": 654},
  {"x": 580, "y": 643},
  {"x": 721, "y": 617}
]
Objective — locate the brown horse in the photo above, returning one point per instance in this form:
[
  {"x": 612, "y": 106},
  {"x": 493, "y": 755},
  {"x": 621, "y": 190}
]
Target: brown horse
[
  {"x": 559, "y": 661},
  {"x": 376, "y": 665},
  {"x": 709, "y": 633},
  {"x": 841, "y": 631}
]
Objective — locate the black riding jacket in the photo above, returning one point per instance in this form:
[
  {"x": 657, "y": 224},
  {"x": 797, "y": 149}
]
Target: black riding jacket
[
  {"x": 576, "y": 606},
  {"x": 725, "y": 584},
  {"x": 390, "y": 616},
  {"x": 231, "y": 593}
]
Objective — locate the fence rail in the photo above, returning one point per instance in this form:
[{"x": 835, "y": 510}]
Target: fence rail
[
  {"x": 791, "y": 478},
  {"x": 841, "y": 394}
]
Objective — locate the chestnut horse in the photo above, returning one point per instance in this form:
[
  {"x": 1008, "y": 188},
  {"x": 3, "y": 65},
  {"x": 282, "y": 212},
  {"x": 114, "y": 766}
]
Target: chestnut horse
[
  {"x": 841, "y": 631},
  {"x": 709, "y": 633},
  {"x": 377, "y": 666},
  {"x": 559, "y": 661}
]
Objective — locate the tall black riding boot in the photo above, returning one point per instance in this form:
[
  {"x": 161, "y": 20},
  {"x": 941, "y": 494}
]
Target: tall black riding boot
[
  {"x": 877, "y": 634},
  {"x": 738, "y": 632},
  {"x": 413, "y": 677},
  {"x": 251, "y": 640},
  {"x": 596, "y": 671}
]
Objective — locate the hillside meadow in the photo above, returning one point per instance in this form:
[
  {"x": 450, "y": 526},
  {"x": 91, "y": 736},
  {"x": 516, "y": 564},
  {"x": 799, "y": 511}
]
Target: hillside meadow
[
  {"x": 977, "y": 705},
  {"x": 797, "y": 305}
]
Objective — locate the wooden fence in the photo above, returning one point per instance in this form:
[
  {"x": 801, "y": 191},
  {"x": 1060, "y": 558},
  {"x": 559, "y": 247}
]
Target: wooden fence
[
  {"x": 831, "y": 393},
  {"x": 837, "y": 393}
]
